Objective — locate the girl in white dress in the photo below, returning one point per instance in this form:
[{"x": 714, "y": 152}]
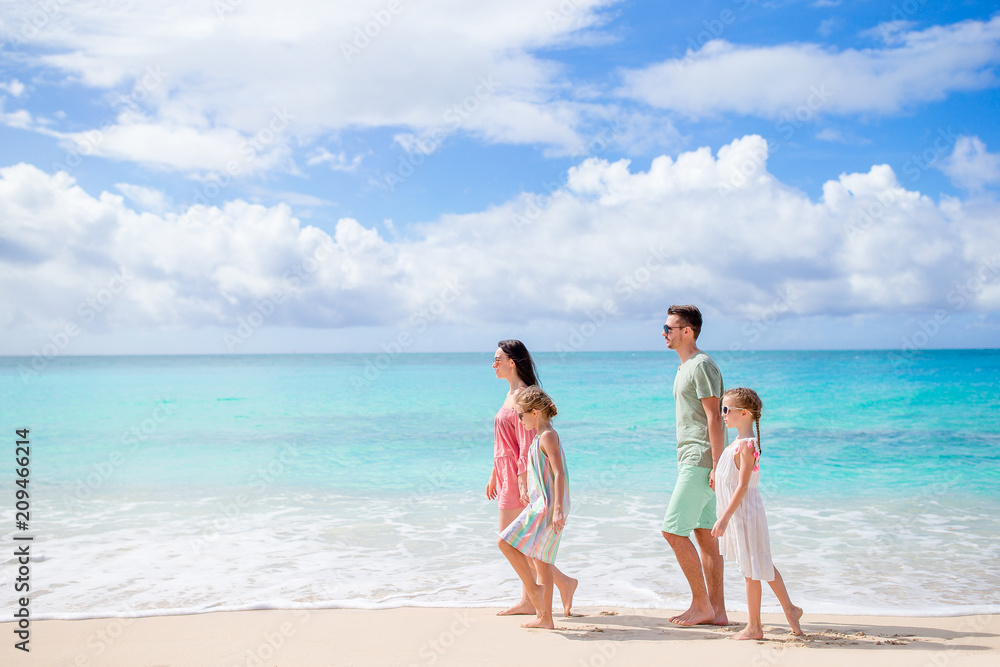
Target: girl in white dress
[{"x": 742, "y": 525}]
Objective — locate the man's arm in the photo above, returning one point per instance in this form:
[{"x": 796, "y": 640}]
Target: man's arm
[{"x": 713, "y": 414}]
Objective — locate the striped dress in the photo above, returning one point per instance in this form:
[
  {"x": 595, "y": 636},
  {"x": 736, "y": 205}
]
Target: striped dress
[{"x": 531, "y": 532}]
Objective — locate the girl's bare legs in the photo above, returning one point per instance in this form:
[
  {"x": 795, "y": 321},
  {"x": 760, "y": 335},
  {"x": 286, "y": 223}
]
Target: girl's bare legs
[
  {"x": 524, "y": 606},
  {"x": 753, "y": 629},
  {"x": 566, "y": 585},
  {"x": 521, "y": 566},
  {"x": 792, "y": 613},
  {"x": 545, "y": 576}
]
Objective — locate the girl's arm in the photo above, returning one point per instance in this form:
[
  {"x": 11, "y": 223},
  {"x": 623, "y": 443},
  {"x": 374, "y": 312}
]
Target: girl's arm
[
  {"x": 747, "y": 463},
  {"x": 549, "y": 442}
]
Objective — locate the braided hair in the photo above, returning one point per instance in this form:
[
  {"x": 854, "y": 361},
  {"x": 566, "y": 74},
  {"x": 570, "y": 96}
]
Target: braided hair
[{"x": 748, "y": 399}]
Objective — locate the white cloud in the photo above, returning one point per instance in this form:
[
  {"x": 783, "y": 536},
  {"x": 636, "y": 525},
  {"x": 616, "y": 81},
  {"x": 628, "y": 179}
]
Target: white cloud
[
  {"x": 195, "y": 80},
  {"x": 919, "y": 66},
  {"x": 714, "y": 229},
  {"x": 828, "y": 27},
  {"x": 971, "y": 166},
  {"x": 297, "y": 199},
  {"x": 890, "y": 32},
  {"x": 19, "y": 119},
  {"x": 835, "y": 135},
  {"x": 830, "y": 134},
  {"x": 147, "y": 199},
  {"x": 14, "y": 87},
  {"x": 187, "y": 148},
  {"x": 338, "y": 162}
]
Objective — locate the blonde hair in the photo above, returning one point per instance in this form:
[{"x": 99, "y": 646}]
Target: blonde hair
[
  {"x": 533, "y": 398},
  {"x": 747, "y": 399}
]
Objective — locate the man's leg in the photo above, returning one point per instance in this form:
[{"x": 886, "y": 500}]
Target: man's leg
[
  {"x": 686, "y": 504},
  {"x": 692, "y": 506},
  {"x": 701, "y": 609}
]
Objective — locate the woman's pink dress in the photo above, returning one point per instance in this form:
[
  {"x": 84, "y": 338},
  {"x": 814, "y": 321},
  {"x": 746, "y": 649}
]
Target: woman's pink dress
[{"x": 510, "y": 456}]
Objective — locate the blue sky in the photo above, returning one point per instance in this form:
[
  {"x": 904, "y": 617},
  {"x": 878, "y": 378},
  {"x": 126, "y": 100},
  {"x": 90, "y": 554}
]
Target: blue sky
[{"x": 238, "y": 176}]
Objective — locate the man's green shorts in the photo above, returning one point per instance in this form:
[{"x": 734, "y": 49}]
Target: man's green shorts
[{"x": 692, "y": 504}]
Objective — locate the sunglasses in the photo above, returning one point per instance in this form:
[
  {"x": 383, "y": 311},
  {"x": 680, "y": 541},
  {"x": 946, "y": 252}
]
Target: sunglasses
[
  {"x": 667, "y": 329},
  {"x": 726, "y": 410}
]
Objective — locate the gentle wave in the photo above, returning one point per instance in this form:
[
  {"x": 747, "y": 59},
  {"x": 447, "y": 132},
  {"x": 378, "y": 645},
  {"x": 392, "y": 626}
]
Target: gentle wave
[
  {"x": 294, "y": 551},
  {"x": 165, "y": 485}
]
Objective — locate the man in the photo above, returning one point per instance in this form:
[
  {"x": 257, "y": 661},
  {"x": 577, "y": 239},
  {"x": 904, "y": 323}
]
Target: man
[{"x": 701, "y": 438}]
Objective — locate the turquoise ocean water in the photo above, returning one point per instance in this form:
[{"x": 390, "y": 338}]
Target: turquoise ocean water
[{"x": 183, "y": 484}]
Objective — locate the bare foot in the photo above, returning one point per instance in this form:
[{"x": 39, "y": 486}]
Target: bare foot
[
  {"x": 537, "y": 597},
  {"x": 749, "y": 633},
  {"x": 694, "y": 616},
  {"x": 520, "y": 609},
  {"x": 545, "y": 623},
  {"x": 793, "y": 620},
  {"x": 566, "y": 594},
  {"x": 720, "y": 619}
]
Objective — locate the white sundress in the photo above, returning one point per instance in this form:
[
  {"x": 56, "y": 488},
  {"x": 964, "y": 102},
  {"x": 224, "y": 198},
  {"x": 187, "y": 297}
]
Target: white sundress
[{"x": 746, "y": 539}]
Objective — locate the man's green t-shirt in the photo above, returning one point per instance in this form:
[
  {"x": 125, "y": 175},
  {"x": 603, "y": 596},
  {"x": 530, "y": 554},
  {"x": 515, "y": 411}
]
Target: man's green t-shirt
[{"x": 697, "y": 378}]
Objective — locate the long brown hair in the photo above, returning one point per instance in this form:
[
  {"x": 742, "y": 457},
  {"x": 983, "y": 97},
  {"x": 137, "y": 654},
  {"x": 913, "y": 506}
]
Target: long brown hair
[{"x": 523, "y": 362}]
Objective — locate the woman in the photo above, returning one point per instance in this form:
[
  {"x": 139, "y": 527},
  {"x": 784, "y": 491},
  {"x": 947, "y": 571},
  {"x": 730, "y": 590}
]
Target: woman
[{"x": 508, "y": 482}]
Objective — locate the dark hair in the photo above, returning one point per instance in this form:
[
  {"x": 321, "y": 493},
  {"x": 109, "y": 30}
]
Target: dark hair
[
  {"x": 747, "y": 399},
  {"x": 533, "y": 398},
  {"x": 691, "y": 316},
  {"x": 523, "y": 362}
]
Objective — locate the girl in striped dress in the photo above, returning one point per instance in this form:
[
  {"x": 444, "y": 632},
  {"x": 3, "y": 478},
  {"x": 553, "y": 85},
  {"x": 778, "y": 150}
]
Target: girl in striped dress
[{"x": 536, "y": 531}]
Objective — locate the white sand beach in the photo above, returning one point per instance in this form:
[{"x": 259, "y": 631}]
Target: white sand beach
[{"x": 443, "y": 636}]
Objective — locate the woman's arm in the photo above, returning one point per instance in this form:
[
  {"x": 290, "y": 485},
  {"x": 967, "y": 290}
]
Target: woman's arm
[
  {"x": 524, "y": 438},
  {"x": 491, "y": 486},
  {"x": 549, "y": 442},
  {"x": 746, "y": 464}
]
